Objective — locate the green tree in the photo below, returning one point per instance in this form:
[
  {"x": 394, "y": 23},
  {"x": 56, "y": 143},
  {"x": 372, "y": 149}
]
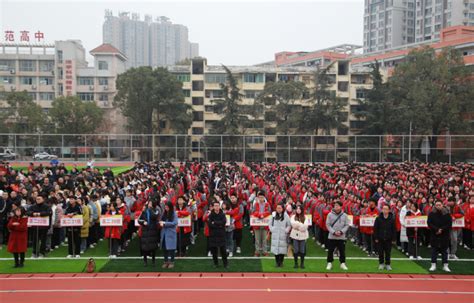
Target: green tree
[
  {"x": 22, "y": 115},
  {"x": 281, "y": 98},
  {"x": 70, "y": 115},
  {"x": 146, "y": 96}
]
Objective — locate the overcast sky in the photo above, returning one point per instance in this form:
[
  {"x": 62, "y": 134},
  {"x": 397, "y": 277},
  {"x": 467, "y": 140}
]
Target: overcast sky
[{"x": 228, "y": 32}]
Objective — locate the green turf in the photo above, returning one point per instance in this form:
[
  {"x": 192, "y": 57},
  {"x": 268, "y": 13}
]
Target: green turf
[
  {"x": 49, "y": 266},
  {"x": 116, "y": 169}
]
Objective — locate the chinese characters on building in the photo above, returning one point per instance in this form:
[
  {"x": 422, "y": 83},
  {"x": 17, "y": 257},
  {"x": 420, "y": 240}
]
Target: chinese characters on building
[{"x": 23, "y": 36}]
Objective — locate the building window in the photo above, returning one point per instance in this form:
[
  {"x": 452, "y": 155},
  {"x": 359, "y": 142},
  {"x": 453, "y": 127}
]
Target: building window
[
  {"x": 198, "y": 101},
  {"x": 342, "y": 86},
  {"x": 46, "y": 96},
  {"x": 197, "y": 130},
  {"x": 60, "y": 56},
  {"x": 46, "y": 81},
  {"x": 252, "y": 94},
  {"x": 103, "y": 65},
  {"x": 198, "y": 85},
  {"x": 213, "y": 93},
  {"x": 27, "y": 65},
  {"x": 198, "y": 116},
  {"x": 254, "y": 140},
  {"x": 46, "y": 66},
  {"x": 361, "y": 93},
  {"x": 186, "y": 92},
  {"x": 103, "y": 97},
  {"x": 86, "y": 96},
  {"x": 183, "y": 77},
  {"x": 7, "y": 65},
  {"x": 253, "y": 78},
  {"x": 103, "y": 81},
  {"x": 215, "y": 78},
  {"x": 27, "y": 80},
  {"x": 85, "y": 81},
  {"x": 209, "y": 108},
  {"x": 7, "y": 80}
]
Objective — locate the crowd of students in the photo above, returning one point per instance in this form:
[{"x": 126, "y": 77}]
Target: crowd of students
[{"x": 222, "y": 198}]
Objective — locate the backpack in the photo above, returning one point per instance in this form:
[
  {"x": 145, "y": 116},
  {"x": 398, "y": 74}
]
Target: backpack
[{"x": 90, "y": 266}]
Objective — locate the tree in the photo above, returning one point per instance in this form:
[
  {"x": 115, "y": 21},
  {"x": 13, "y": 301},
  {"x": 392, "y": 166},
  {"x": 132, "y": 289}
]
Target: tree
[
  {"x": 22, "y": 115},
  {"x": 70, "y": 115},
  {"x": 282, "y": 96},
  {"x": 146, "y": 96}
]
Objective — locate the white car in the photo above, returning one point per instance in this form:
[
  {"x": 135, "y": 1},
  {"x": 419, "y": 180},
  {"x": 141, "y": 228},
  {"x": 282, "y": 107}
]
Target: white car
[{"x": 44, "y": 156}]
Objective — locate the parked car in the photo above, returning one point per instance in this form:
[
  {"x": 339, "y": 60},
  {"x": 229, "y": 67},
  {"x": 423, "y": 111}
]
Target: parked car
[
  {"x": 7, "y": 154},
  {"x": 44, "y": 156}
]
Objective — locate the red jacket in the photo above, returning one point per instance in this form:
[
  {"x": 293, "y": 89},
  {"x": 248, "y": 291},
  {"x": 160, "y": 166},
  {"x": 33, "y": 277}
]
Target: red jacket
[
  {"x": 468, "y": 216},
  {"x": 369, "y": 230},
  {"x": 456, "y": 213},
  {"x": 182, "y": 214},
  {"x": 237, "y": 213},
  {"x": 18, "y": 240},
  {"x": 114, "y": 232}
]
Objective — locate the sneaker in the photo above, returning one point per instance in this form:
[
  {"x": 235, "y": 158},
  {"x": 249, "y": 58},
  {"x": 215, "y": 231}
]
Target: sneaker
[
  {"x": 41, "y": 256},
  {"x": 33, "y": 256},
  {"x": 69, "y": 256},
  {"x": 238, "y": 250},
  {"x": 113, "y": 256},
  {"x": 412, "y": 258},
  {"x": 322, "y": 246},
  {"x": 419, "y": 258},
  {"x": 209, "y": 254},
  {"x": 82, "y": 252},
  {"x": 433, "y": 267},
  {"x": 446, "y": 268},
  {"x": 56, "y": 247},
  {"x": 265, "y": 254},
  {"x": 344, "y": 267},
  {"x": 78, "y": 256},
  {"x": 231, "y": 254},
  {"x": 329, "y": 266},
  {"x": 381, "y": 267},
  {"x": 171, "y": 265},
  {"x": 388, "y": 267},
  {"x": 454, "y": 257}
]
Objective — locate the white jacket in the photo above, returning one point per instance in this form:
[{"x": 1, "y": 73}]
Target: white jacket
[{"x": 299, "y": 231}]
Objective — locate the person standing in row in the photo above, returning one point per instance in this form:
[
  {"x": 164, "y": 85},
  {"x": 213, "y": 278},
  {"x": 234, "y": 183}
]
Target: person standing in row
[
  {"x": 261, "y": 209},
  {"x": 73, "y": 232},
  {"x": 149, "y": 226},
  {"x": 39, "y": 209},
  {"x": 216, "y": 222},
  {"x": 299, "y": 234},
  {"x": 18, "y": 239},
  {"x": 440, "y": 224},
  {"x": 280, "y": 227},
  {"x": 337, "y": 224},
  {"x": 384, "y": 234},
  {"x": 168, "y": 223}
]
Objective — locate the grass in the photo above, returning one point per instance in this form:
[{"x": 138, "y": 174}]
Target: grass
[
  {"x": 116, "y": 169},
  {"x": 236, "y": 265}
]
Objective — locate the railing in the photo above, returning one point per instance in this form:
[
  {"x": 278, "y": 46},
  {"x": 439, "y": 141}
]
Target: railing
[{"x": 282, "y": 148}]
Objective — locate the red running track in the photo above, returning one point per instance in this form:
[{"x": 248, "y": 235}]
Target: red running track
[{"x": 238, "y": 287}]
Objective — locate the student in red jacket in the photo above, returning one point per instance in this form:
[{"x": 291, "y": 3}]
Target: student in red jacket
[
  {"x": 17, "y": 242},
  {"x": 113, "y": 233},
  {"x": 413, "y": 233},
  {"x": 468, "y": 209},
  {"x": 367, "y": 231},
  {"x": 261, "y": 209},
  {"x": 237, "y": 212},
  {"x": 456, "y": 213},
  {"x": 184, "y": 232}
]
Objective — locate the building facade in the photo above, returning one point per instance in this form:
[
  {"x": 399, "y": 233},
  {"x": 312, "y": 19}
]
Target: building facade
[{"x": 148, "y": 42}]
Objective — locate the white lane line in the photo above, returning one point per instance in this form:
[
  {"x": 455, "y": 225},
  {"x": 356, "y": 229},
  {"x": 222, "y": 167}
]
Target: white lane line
[
  {"x": 232, "y": 258},
  {"x": 427, "y": 279},
  {"x": 214, "y": 290}
]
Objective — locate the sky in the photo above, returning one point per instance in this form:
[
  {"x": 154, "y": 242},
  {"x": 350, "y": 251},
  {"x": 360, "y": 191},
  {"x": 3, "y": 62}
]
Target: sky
[{"x": 228, "y": 32}]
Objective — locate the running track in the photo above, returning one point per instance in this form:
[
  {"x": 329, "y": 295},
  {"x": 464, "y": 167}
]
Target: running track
[{"x": 230, "y": 288}]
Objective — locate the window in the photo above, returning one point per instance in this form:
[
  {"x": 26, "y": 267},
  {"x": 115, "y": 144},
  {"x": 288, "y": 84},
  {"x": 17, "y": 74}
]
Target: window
[
  {"x": 103, "y": 81},
  {"x": 197, "y": 130},
  {"x": 60, "y": 56},
  {"x": 33, "y": 96},
  {"x": 86, "y": 96},
  {"x": 252, "y": 94},
  {"x": 198, "y": 116},
  {"x": 183, "y": 77},
  {"x": 46, "y": 66},
  {"x": 342, "y": 86},
  {"x": 186, "y": 92},
  {"x": 361, "y": 93},
  {"x": 46, "y": 96},
  {"x": 27, "y": 80},
  {"x": 7, "y": 80},
  {"x": 198, "y": 101},
  {"x": 254, "y": 140},
  {"x": 162, "y": 124},
  {"x": 85, "y": 81},
  {"x": 198, "y": 85},
  {"x": 27, "y": 65},
  {"x": 103, "y": 65},
  {"x": 195, "y": 146},
  {"x": 103, "y": 97},
  {"x": 215, "y": 78},
  {"x": 357, "y": 124},
  {"x": 213, "y": 93},
  {"x": 253, "y": 78},
  {"x": 6, "y": 65},
  {"x": 46, "y": 81},
  {"x": 209, "y": 108}
]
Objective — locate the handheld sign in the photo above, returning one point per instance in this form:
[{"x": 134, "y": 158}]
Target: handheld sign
[
  {"x": 416, "y": 221},
  {"x": 255, "y": 221},
  {"x": 184, "y": 221},
  {"x": 73, "y": 221},
  {"x": 308, "y": 219},
  {"x": 458, "y": 222},
  {"x": 114, "y": 220},
  {"x": 351, "y": 220},
  {"x": 227, "y": 220},
  {"x": 38, "y": 221},
  {"x": 367, "y": 221}
]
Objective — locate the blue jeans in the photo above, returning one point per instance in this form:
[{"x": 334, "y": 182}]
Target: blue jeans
[
  {"x": 169, "y": 255},
  {"x": 229, "y": 241}
]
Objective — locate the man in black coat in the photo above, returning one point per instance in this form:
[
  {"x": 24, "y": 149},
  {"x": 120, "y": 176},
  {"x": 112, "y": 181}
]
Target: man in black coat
[
  {"x": 73, "y": 233},
  {"x": 216, "y": 222},
  {"x": 384, "y": 234},
  {"x": 40, "y": 209},
  {"x": 440, "y": 224}
]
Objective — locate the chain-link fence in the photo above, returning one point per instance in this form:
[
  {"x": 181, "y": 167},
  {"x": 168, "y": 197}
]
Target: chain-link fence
[{"x": 292, "y": 148}]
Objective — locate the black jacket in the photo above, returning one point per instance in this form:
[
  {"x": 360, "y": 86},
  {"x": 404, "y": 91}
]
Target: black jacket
[
  {"x": 440, "y": 220},
  {"x": 149, "y": 239},
  {"x": 73, "y": 210},
  {"x": 216, "y": 223},
  {"x": 384, "y": 228},
  {"x": 44, "y": 211}
]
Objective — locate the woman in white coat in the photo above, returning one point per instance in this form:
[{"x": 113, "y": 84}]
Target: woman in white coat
[
  {"x": 299, "y": 235},
  {"x": 403, "y": 231},
  {"x": 279, "y": 227}
]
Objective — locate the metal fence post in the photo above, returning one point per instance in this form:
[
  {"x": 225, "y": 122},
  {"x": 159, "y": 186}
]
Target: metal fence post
[
  {"x": 176, "y": 148},
  {"x": 289, "y": 148},
  {"x": 311, "y": 151},
  {"x": 403, "y": 148},
  {"x": 450, "y": 148},
  {"x": 108, "y": 148},
  {"x": 335, "y": 148},
  {"x": 380, "y": 148},
  {"x": 85, "y": 148},
  {"x": 131, "y": 147},
  {"x": 221, "y": 148},
  {"x": 355, "y": 149},
  {"x": 243, "y": 144}
]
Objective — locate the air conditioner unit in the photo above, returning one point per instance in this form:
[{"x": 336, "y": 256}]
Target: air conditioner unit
[
  {"x": 12, "y": 71},
  {"x": 106, "y": 87},
  {"x": 13, "y": 89},
  {"x": 91, "y": 87},
  {"x": 33, "y": 87}
]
